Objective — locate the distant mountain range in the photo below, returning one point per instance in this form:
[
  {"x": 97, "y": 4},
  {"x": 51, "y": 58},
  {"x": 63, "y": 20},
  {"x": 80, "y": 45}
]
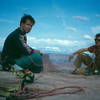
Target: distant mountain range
[{"x": 57, "y": 62}]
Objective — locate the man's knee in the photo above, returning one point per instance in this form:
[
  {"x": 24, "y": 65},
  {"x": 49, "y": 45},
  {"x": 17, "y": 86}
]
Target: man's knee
[
  {"x": 81, "y": 56},
  {"x": 37, "y": 63},
  {"x": 36, "y": 69},
  {"x": 79, "y": 60}
]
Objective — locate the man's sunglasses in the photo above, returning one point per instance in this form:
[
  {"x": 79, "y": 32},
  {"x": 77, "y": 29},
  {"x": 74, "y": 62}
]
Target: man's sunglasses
[{"x": 97, "y": 40}]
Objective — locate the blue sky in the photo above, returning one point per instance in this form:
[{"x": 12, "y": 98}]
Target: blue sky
[{"x": 62, "y": 26}]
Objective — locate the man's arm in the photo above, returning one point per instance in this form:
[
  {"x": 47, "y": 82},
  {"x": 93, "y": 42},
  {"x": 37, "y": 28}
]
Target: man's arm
[
  {"x": 21, "y": 43},
  {"x": 22, "y": 46},
  {"x": 35, "y": 50},
  {"x": 80, "y": 51},
  {"x": 77, "y": 52}
]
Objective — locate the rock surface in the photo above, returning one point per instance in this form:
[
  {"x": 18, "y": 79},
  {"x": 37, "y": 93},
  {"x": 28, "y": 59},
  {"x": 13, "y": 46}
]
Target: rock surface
[{"x": 56, "y": 76}]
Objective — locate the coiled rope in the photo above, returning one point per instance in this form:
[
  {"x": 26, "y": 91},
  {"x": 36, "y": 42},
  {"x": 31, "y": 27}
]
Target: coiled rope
[{"x": 31, "y": 94}]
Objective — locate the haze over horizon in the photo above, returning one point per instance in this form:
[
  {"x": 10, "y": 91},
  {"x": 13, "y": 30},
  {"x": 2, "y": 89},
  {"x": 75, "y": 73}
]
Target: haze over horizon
[{"x": 62, "y": 26}]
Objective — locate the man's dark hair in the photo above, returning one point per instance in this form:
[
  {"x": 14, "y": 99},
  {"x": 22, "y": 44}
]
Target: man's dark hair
[
  {"x": 27, "y": 17},
  {"x": 97, "y": 35}
]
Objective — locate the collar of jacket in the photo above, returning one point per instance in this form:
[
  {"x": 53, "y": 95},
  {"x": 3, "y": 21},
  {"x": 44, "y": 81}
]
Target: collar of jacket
[{"x": 20, "y": 31}]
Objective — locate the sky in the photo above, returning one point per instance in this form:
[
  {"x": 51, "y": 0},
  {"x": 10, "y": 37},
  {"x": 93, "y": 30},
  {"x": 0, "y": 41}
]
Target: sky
[{"x": 62, "y": 26}]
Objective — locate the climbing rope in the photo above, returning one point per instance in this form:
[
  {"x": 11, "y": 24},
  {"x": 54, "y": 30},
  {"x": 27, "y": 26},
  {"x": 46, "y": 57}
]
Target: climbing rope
[
  {"x": 28, "y": 93},
  {"x": 37, "y": 93}
]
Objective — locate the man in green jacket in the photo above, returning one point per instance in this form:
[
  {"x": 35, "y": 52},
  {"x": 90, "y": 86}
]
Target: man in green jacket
[{"x": 17, "y": 51}]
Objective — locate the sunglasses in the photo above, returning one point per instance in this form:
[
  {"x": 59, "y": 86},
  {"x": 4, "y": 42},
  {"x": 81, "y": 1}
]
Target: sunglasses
[{"x": 97, "y": 40}]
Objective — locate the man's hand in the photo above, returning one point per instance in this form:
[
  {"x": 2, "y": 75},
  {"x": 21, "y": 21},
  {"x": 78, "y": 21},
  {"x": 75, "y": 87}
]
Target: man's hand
[{"x": 35, "y": 50}]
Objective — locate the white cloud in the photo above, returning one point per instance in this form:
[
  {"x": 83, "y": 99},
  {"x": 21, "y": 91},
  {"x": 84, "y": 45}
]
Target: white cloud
[
  {"x": 6, "y": 20},
  {"x": 72, "y": 29},
  {"x": 96, "y": 29},
  {"x": 83, "y": 18},
  {"x": 52, "y": 41},
  {"x": 98, "y": 15},
  {"x": 88, "y": 37},
  {"x": 53, "y": 49}
]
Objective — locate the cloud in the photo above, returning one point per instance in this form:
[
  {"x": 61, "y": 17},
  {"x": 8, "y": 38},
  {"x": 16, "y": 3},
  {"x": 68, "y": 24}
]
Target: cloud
[
  {"x": 88, "y": 37},
  {"x": 83, "y": 18},
  {"x": 6, "y": 20},
  {"x": 71, "y": 29},
  {"x": 98, "y": 15},
  {"x": 53, "y": 49},
  {"x": 53, "y": 41},
  {"x": 58, "y": 45},
  {"x": 96, "y": 29}
]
